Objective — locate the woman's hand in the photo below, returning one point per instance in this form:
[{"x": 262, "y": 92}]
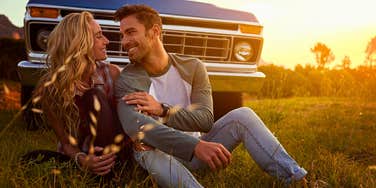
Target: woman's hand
[{"x": 100, "y": 165}]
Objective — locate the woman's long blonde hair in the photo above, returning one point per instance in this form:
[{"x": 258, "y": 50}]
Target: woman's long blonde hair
[{"x": 70, "y": 63}]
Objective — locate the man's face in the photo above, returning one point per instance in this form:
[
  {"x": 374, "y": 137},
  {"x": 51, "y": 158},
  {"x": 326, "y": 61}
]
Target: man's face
[
  {"x": 100, "y": 42},
  {"x": 135, "y": 39}
]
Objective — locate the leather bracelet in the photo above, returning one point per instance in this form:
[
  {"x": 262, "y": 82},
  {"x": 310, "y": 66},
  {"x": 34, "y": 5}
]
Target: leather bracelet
[{"x": 76, "y": 159}]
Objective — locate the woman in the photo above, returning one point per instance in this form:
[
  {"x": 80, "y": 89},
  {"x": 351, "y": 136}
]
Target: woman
[{"x": 76, "y": 95}]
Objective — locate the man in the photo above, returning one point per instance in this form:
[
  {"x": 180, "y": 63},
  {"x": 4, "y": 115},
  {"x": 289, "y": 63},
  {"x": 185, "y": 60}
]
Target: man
[{"x": 154, "y": 82}]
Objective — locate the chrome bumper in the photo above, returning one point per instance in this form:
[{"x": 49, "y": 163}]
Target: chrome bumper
[
  {"x": 250, "y": 82},
  {"x": 236, "y": 82},
  {"x": 29, "y": 73}
]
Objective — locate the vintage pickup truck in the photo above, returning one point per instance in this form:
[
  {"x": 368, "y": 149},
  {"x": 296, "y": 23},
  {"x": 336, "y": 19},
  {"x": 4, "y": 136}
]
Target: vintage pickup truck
[{"x": 228, "y": 41}]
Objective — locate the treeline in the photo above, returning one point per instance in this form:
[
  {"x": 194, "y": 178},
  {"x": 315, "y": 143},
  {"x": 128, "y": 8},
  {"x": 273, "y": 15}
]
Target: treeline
[
  {"x": 11, "y": 52},
  {"x": 308, "y": 81}
]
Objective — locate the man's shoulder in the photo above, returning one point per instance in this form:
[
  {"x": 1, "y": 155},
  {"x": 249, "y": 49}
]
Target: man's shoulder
[
  {"x": 184, "y": 59},
  {"x": 132, "y": 70},
  {"x": 189, "y": 67},
  {"x": 133, "y": 78},
  {"x": 190, "y": 64},
  {"x": 130, "y": 67}
]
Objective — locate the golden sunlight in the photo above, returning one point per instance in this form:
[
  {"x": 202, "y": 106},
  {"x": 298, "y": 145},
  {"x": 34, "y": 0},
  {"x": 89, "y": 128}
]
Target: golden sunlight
[{"x": 292, "y": 27}]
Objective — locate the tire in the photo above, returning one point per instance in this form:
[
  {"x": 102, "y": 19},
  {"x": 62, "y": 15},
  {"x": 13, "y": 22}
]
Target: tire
[
  {"x": 226, "y": 101},
  {"x": 26, "y": 93},
  {"x": 33, "y": 120}
]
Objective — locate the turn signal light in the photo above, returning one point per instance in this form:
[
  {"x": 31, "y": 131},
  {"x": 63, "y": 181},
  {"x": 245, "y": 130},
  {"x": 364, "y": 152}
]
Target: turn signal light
[
  {"x": 250, "y": 29},
  {"x": 44, "y": 12}
]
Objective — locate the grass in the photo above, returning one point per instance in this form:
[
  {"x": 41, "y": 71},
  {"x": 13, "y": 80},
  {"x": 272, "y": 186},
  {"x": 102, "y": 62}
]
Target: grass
[{"x": 332, "y": 138}]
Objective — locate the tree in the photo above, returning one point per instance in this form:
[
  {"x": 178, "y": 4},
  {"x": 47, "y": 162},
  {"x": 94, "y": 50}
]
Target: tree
[
  {"x": 323, "y": 55},
  {"x": 371, "y": 52},
  {"x": 346, "y": 62}
]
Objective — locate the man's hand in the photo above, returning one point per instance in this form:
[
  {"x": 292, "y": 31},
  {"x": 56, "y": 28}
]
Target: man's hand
[
  {"x": 144, "y": 102},
  {"x": 99, "y": 165},
  {"x": 213, "y": 154}
]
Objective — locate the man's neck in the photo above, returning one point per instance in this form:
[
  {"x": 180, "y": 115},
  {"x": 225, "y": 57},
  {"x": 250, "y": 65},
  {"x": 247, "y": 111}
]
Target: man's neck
[{"x": 157, "y": 62}]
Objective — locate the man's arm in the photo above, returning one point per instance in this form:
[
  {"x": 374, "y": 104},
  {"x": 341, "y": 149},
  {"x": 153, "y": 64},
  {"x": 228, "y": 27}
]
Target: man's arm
[
  {"x": 160, "y": 136},
  {"x": 198, "y": 117},
  {"x": 214, "y": 154},
  {"x": 147, "y": 129}
]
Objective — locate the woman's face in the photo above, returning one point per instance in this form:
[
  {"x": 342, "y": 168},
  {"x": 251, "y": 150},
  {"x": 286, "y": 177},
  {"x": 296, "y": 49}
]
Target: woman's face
[{"x": 100, "y": 42}]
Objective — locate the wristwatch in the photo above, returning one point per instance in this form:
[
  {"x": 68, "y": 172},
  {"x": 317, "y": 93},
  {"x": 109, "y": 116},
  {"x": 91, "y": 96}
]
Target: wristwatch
[{"x": 166, "y": 109}]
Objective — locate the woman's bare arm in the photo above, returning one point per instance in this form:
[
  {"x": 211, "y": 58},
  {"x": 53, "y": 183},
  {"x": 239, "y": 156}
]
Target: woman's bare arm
[
  {"x": 114, "y": 71},
  {"x": 99, "y": 165}
]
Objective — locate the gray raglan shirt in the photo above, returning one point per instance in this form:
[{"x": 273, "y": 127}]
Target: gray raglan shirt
[{"x": 168, "y": 138}]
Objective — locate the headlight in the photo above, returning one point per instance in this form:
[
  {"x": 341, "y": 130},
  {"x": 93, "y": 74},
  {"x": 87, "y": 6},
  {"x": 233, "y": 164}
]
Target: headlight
[
  {"x": 42, "y": 38},
  {"x": 243, "y": 51}
]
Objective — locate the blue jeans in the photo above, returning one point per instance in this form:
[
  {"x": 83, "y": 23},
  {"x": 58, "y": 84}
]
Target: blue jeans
[{"x": 241, "y": 125}]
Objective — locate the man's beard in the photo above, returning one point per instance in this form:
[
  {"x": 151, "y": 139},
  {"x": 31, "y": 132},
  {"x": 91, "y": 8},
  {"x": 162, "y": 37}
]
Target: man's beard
[{"x": 142, "y": 50}]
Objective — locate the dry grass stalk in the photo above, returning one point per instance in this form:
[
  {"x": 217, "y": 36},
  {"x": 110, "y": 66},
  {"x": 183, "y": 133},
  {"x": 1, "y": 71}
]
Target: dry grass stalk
[
  {"x": 55, "y": 171},
  {"x": 93, "y": 118},
  {"x": 6, "y": 89},
  {"x": 53, "y": 79},
  {"x": 61, "y": 69},
  {"x": 36, "y": 110},
  {"x": 118, "y": 138},
  {"x": 93, "y": 130},
  {"x": 192, "y": 107},
  {"x": 147, "y": 127},
  {"x": 91, "y": 149},
  {"x": 115, "y": 148},
  {"x": 72, "y": 140},
  {"x": 140, "y": 135},
  {"x": 174, "y": 109},
  {"x": 106, "y": 150},
  {"x": 36, "y": 99},
  {"x": 97, "y": 105}
]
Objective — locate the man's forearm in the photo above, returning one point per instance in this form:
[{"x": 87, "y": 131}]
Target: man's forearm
[
  {"x": 198, "y": 120},
  {"x": 153, "y": 133}
]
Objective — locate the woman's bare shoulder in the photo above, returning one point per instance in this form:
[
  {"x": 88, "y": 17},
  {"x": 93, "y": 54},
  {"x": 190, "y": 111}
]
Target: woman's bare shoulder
[{"x": 114, "y": 71}]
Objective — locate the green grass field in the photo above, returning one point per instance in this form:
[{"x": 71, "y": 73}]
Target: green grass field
[{"x": 332, "y": 138}]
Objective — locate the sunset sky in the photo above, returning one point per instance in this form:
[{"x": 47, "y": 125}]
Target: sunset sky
[{"x": 291, "y": 27}]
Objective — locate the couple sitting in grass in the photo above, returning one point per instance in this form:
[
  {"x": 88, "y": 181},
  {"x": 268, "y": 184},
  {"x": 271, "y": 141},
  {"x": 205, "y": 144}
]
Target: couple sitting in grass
[{"x": 153, "y": 111}]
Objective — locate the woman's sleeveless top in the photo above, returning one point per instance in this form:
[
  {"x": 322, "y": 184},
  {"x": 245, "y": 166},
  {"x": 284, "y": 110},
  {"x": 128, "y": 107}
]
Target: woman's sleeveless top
[{"x": 105, "y": 121}]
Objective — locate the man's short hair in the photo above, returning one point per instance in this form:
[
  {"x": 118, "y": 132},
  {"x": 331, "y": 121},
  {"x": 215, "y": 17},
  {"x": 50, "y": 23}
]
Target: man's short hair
[{"x": 144, "y": 14}]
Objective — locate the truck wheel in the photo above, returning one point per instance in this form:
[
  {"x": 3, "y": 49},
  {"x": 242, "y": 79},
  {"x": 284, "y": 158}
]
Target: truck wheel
[
  {"x": 26, "y": 92},
  {"x": 225, "y": 101},
  {"x": 33, "y": 120}
]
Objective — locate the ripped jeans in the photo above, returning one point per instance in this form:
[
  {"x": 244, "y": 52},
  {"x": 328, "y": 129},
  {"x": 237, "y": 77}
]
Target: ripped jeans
[{"x": 241, "y": 125}]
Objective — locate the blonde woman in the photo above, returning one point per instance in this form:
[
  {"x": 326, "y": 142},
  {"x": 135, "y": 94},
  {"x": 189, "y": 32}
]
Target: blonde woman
[{"x": 76, "y": 95}]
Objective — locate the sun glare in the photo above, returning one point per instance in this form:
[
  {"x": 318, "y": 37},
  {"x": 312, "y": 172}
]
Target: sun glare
[{"x": 292, "y": 27}]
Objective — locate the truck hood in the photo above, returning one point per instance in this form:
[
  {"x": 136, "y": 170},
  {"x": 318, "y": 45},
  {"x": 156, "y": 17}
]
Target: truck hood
[{"x": 168, "y": 7}]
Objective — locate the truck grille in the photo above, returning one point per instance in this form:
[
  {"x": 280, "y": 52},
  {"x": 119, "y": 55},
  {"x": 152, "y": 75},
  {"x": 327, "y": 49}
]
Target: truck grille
[{"x": 203, "y": 46}]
